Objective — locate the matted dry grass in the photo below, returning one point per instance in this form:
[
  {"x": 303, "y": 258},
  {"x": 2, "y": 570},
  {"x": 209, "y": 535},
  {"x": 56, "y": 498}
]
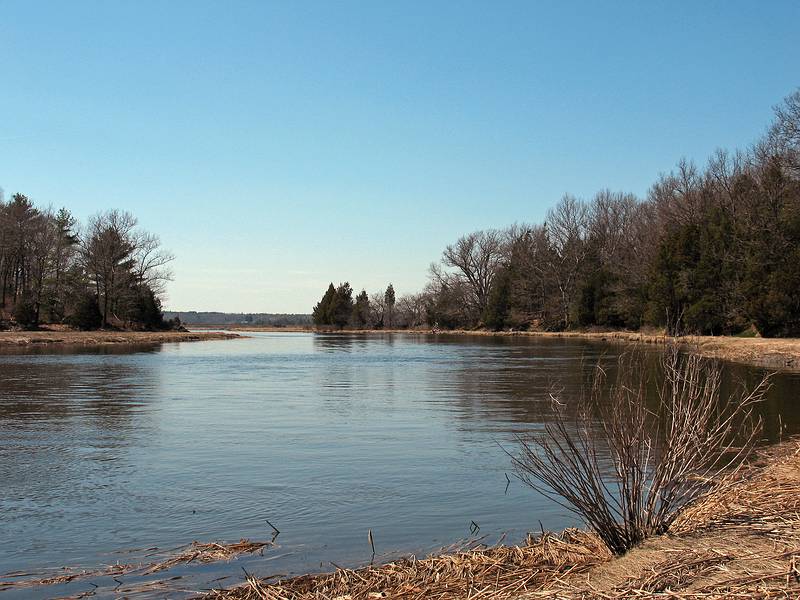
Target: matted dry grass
[{"x": 494, "y": 572}]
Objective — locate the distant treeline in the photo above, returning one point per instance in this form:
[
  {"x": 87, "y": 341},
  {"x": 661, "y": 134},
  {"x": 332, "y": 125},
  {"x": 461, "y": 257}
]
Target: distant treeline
[
  {"x": 106, "y": 273},
  {"x": 221, "y": 318},
  {"x": 712, "y": 250}
]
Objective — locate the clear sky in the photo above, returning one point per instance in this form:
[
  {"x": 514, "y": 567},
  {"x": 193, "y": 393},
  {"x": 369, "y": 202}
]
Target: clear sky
[{"x": 276, "y": 146}]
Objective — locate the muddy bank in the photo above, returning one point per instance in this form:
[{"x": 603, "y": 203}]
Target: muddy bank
[{"x": 21, "y": 339}]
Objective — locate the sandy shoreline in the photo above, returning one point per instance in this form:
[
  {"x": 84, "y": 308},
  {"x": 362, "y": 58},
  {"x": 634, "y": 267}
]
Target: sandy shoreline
[{"x": 22, "y": 339}]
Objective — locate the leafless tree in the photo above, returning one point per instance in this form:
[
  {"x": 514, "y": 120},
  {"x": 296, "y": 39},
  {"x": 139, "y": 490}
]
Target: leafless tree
[
  {"x": 377, "y": 309},
  {"x": 567, "y": 230},
  {"x": 410, "y": 310},
  {"x": 474, "y": 259},
  {"x": 676, "y": 196},
  {"x": 785, "y": 132},
  {"x": 151, "y": 266}
]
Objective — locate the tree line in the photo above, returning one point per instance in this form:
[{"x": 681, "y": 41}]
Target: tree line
[
  {"x": 107, "y": 273},
  {"x": 712, "y": 250},
  {"x": 380, "y": 310}
]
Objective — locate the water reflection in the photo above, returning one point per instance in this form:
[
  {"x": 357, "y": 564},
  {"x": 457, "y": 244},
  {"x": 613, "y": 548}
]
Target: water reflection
[{"x": 324, "y": 435}]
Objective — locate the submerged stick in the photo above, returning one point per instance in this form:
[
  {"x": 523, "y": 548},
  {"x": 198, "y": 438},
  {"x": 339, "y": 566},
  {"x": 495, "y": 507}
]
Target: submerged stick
[{"x": 275, "y": 529}]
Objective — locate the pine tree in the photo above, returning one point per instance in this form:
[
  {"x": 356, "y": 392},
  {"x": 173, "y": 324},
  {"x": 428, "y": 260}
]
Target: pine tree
[
  {"x": 87, "y": 313},
  {"x": 389, "y": 299},
  {"x": 322, "y": 311},
  {"x": 361, "y": 310},
  {"x": 498, "y": 305},
  {"x": 341, "y": 308}
]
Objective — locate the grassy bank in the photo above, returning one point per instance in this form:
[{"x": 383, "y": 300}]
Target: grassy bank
[
  {"x": 741, "y": 541},
  {"x": 20, "y": 339}
]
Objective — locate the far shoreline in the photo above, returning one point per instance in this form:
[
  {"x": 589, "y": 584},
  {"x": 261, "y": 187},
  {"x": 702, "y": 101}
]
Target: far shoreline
[
  {"x": 65, "y": 338},
  {"x": 779, "y": 354}
]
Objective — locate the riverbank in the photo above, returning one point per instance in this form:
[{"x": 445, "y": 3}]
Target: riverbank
[
  {"x": 769, "y": 353},
  {"x": 741, "y": 541},
  {"x": 21, "y": 339}
]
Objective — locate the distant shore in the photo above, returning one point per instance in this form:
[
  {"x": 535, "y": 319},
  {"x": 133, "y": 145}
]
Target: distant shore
[
  {"x": 768, "y": 353},
  {"x": 22, "y": 339}
]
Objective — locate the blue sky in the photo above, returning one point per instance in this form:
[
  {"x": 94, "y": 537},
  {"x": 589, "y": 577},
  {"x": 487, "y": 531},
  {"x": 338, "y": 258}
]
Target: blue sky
[{"x": 276, "y": 146}]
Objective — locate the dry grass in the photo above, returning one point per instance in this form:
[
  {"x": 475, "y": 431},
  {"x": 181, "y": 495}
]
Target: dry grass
[{"x": 493, "y": 572}]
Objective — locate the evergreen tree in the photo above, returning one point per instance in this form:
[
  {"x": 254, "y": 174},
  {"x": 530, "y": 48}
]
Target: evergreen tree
[
  {"x": 341, "y": 307},
  {"x": 87, "y": 315},
  {"x": 498, "y": 306},
  {"x": 389, "y": 300},
  {"x": 322, "y": 311},
  {"x": 25, "y": 312},
  {"x": 361, "y": 310},
  {"x": 771, "y": 280},
  {"x": 146, "y": 309}
]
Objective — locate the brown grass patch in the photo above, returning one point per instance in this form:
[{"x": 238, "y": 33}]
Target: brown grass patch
[{"x": 495, "y": 572}]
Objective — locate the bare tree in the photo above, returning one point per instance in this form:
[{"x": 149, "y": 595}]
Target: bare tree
[
  {"x": 410, "y": 311},
  {"x": 475, "y": 258},
  {"x": 676, "y": 196},
  {"x": 151, "y": 262},
  {"x": 785, "y": 132},
  {"x": 567, "y": 231},
  {"x": 377, "y": 309}
]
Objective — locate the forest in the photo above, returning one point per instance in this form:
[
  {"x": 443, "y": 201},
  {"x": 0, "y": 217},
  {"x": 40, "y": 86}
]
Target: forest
[
  {"x": 109, "y": 273},
  {"x": 712, "y": 250}
]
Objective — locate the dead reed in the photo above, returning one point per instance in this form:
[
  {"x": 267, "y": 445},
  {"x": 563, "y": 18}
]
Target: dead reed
[{"x": 498, "y": 572}]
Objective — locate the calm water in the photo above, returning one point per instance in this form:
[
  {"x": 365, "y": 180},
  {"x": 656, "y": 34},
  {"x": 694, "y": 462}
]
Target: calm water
[{"x": 326, "y": 436}]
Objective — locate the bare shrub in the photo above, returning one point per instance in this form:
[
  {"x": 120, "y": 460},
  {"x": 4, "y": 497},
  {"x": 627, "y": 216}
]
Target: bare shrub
[{"x": 629, "y": 468}]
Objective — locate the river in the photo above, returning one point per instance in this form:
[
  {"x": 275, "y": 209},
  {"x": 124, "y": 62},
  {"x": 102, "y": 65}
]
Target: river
[{"x": 108, "y": 450}]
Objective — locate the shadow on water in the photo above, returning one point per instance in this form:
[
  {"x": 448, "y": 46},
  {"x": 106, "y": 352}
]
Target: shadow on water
[{"x": 67, "y": 349}]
